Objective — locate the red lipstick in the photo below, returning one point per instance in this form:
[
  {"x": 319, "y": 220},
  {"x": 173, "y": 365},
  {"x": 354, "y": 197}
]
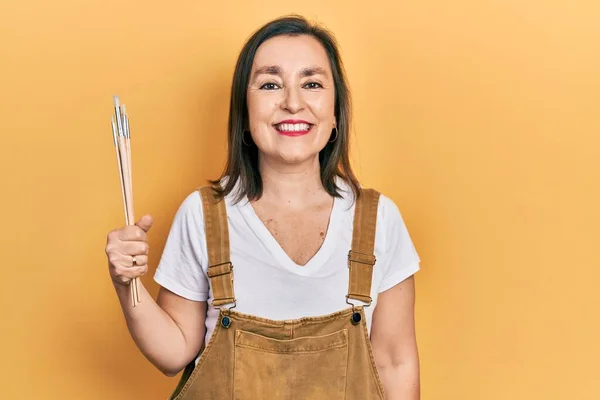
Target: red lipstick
[{"x": 293, "y": 127}]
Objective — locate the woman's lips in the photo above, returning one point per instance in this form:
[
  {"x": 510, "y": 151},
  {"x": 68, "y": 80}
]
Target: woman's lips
[{"x": 293, "y": 128}]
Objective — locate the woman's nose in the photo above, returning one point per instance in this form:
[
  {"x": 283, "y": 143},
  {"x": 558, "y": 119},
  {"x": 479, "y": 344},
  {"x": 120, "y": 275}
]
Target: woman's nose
[{"x": 292, "y": 100}]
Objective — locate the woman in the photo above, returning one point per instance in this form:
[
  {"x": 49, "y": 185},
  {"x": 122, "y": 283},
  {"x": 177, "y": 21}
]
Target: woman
[{"x": 322, "y": 301}]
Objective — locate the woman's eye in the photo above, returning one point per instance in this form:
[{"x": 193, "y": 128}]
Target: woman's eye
[
  {"x": 313, "y": 85},
  {"x": 269, "y": 86}
]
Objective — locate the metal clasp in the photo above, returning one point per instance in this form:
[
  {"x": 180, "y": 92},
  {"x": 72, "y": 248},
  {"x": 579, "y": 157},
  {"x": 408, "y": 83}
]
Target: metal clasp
[
  {"x": 356, "y": 316},
  {"x": 216, "y": 270},
  {"x": 361, "y": 258},
  {"x": 220, "y": 271},
  {"x": 366, "y": 304}
]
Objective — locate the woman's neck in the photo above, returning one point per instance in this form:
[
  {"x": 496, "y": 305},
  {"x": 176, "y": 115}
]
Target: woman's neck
[{"x": 295, "y": 186}]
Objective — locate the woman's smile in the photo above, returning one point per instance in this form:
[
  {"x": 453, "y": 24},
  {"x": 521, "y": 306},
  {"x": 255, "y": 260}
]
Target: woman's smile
[{"x": 293, "y": 128}]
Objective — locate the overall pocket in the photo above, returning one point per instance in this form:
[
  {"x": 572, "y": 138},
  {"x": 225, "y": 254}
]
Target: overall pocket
[{"x": 311, "y": 367}]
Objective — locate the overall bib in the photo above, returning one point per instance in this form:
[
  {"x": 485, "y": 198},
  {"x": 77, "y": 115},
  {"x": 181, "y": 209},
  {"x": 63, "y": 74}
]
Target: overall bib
[{"x": 314, "y": 358}]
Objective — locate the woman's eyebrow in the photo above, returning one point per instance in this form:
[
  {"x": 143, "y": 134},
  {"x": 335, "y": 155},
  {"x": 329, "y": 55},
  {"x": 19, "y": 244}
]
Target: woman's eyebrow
[
  {"x": 267, "y": 69},
  {"x": 313, "y": 71},
  {"x": 276, "y": 70}
]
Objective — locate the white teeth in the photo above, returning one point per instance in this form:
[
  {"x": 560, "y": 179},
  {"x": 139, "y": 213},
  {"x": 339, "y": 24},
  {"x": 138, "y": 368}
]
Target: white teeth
[{"x": 293, "y": 127}]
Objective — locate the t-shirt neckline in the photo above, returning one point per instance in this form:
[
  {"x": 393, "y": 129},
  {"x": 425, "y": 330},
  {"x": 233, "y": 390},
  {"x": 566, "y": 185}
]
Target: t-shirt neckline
[{"x": 268, "y": 240}]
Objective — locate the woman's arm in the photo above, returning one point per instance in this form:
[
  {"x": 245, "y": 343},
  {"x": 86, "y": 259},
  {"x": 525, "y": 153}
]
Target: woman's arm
[
  {"x": 394, "y": 342},
  {"x": 169, "y": 332}
]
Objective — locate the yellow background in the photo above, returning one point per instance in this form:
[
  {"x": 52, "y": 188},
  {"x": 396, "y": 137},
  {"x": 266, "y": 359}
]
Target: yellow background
[{"x": 479, "y": 118}]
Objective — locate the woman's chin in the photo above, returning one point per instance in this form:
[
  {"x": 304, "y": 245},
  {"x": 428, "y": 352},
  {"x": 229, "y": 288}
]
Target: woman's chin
[{"x": 293, "y": 157}]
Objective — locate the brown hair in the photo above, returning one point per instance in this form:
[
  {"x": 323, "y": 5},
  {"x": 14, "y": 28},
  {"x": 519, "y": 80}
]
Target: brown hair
[{"x": 242, "y": 160}]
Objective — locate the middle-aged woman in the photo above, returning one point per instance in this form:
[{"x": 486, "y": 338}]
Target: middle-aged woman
[{"x": 320, "y": 303}]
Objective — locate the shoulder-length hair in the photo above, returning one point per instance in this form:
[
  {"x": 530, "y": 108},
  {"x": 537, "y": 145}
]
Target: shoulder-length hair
[{"x": 241, "y": 168}]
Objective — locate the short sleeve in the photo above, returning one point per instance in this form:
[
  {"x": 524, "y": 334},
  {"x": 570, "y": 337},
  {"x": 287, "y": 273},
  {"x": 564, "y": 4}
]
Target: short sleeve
[
  {"x": 180, "y": 267},
  {"x": 399, "y": 259}
]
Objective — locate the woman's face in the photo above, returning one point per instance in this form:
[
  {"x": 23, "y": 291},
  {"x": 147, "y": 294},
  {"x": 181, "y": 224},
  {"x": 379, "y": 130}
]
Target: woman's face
[{"x": 291, "y": 99}]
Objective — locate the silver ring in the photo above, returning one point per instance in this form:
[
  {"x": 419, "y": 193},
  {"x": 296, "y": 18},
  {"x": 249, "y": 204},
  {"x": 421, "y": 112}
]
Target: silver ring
[{"x": 134, "y": 261}]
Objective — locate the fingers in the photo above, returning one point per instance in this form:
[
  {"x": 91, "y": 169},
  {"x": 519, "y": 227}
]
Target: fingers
[
  {"x": 132, "y": 233},
  {"x": 125, "y": 275},
  {"x": 124, "y": 243},
  {"x": 122, "y": 269},
  {"x": 135, "y": 232},
  {"x": 121, "y": 253},
  {"x": 133, "y": 248},
  {"x": 132, "y": 272},
  {"x": 128, "y": 240},
  {"x": 140, "y": 261},
  {"x": 126, "y": 260}
]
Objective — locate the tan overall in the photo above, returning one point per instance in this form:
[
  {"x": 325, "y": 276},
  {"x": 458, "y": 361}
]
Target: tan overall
[{"x": 315, "y": 358}]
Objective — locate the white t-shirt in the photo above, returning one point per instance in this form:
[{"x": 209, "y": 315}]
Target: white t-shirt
[{"x": 267, "y": 283}]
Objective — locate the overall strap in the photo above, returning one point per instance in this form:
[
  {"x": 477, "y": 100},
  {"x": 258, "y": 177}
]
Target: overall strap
[
  {"x": 361, "y": 257},
  {"x": 220, "y": 269}
]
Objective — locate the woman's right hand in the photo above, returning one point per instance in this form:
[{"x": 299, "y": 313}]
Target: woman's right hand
[{"x": 122, "y": 245}]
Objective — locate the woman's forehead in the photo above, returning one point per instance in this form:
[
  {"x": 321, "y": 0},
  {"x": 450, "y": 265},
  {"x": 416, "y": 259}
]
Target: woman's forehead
[{"x": 290, "y": 54}]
